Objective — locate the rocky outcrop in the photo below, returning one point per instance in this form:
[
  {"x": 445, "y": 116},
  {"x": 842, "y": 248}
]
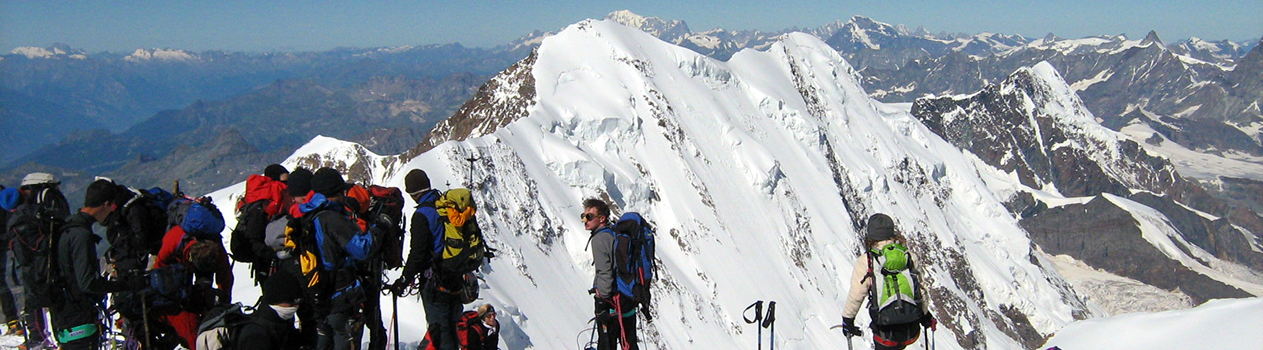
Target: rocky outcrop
[{"x": 1108, "y": 237}]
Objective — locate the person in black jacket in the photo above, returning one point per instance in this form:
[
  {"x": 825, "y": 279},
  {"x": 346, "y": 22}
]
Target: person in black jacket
[
  {"x": 10, "y": 198},
  {"x": 483, "y": 333},
  {"x": 271, "y": 327},
  {"x": 442, "y": 310},
  {"x": 41, "y": 209},
  {"x": 77, "y": 317}
]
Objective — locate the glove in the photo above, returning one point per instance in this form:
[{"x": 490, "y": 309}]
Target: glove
[
  {"x": 849, "y": 329},
  {"x": 400, "y": 285},
  {"x": 929, "y": 322},
  {"x": 136, "y": 282}
]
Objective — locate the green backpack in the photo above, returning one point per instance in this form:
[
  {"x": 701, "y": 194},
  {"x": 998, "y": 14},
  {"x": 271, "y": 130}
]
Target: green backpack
[{"x": 895, "y": 297}]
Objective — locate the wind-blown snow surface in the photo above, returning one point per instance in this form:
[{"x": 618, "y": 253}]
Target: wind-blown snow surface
[
  {"x": 1218, "y": 324},
  {"x": 754, "y": 172}
]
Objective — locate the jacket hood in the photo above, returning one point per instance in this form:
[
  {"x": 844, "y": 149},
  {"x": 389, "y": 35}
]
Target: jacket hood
[{"x": 259, "y": 187}]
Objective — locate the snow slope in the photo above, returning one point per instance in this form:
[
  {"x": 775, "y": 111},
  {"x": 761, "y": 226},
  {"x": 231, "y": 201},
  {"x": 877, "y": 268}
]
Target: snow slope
[
  {"x": 1219, "y": 324},
  {"x": 756, "y": 173}
]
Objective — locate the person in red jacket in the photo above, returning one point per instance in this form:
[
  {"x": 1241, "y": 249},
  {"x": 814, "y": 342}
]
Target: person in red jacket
[{"x": 205, "y": 258}]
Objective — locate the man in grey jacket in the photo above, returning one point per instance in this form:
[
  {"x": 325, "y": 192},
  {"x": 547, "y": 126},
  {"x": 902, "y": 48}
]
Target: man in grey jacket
[
  {"x": 77, "y": 320},
  {"x": 615, "y": 313}
]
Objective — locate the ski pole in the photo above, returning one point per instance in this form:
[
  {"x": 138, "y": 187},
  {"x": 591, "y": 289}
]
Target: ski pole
[
  {"x": 769, "y": 321},
  {"x": 757, "y": 321},
  {"x": 394, "y": 316}
]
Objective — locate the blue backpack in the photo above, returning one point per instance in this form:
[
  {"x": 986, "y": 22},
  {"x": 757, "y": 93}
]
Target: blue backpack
[
  {"x": 634, "y": 257},
  {"x": 198, "y": 217}
]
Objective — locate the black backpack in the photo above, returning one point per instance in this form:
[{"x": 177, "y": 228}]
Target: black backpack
[
  {"x": 388, "y": 201},
  {"x": 150, "y": 215},
  {"x": 240, "y": 242},
  {"x": 35, "y": 228}
]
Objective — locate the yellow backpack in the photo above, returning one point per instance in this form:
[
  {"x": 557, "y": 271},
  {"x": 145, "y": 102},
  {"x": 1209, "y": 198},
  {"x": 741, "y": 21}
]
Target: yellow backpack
[{"x": 461, "y": 248}]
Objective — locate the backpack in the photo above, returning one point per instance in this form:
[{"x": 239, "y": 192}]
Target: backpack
[
  {"x": 335, "y": 255},
  {"x": 178, "y": 284},
  {"x": 221, "y": 326},
  {"x": 465, "y": 325},
  {"x": 460, "y": 249},
  {"x": 35, "y": 229},
  {"x": 895, "y": 297},
  {"x": 197, "y": 216},
  {"x": 389, "y": 201},
  {"x": 151, "y": 215},
  {"x": 239, "y": 240},
  {"x": 634, "y": 257}
]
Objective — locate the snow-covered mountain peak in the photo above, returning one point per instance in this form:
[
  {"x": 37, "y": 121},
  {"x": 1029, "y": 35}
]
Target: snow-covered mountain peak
[
  {"x": 170, "y": 55},
  {"x": 53, "y": 52},
  {"x": 670, "y": 31},
  {"x": 757, "y": 172}
]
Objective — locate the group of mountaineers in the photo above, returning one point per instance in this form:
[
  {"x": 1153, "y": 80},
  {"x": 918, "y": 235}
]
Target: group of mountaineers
[{"x": 318, "y": 247}]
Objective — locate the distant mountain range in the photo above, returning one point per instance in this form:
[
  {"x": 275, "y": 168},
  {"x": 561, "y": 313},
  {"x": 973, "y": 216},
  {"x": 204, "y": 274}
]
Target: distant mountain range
[{"x": 1198, "y": 93}]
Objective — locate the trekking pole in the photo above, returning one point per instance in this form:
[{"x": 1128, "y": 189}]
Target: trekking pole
[
  {"x": 757, "y": 321},
  {"x": 144, "y": 316},
  {"x": 769, "y": 321},
  {"x": 394, "y": 317}
]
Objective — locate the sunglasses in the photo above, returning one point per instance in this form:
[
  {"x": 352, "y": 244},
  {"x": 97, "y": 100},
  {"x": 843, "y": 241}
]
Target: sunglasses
[{"x": 587, "y": 217}]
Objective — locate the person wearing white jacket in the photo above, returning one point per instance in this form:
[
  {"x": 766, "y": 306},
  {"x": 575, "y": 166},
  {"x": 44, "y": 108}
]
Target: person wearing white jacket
[{"x": 886, "y": 274}]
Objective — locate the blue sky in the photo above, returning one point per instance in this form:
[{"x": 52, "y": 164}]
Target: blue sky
[{"x": 285, "y": 25}]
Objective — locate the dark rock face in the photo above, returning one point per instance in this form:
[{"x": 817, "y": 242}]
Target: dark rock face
[
  {"x": 1005, "y": 126},
  {"x": 1106, "y": 237},
  {"x": 485, "y": 112}
]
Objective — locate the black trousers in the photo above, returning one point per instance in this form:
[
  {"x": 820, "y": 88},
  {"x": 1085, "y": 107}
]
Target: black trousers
[{"x": 615, "y": 322}]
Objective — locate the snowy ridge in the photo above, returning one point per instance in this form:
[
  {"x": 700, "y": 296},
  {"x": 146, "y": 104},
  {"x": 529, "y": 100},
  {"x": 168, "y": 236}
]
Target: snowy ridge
[
  {"x": 750, "y": 170},
  {"x": 754, "y": 171},
  {"x": 142, "y": 55},
  {"x": 1182, "y": 329}
]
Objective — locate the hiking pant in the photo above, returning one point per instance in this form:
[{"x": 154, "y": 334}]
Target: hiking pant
[
  {"x": 442, "y": 310},
  {"x": 615, "y": 322},
  {"x": 76, "y": 325},
  {"x": 373, "y": 313},
  {"x": 7, "y": 305},
  {"x": 895, "y": 337},
  {"x": 185, "y": 325},
  {"x": 341, "y": 331},
  {"x": 32, "y": 317}
]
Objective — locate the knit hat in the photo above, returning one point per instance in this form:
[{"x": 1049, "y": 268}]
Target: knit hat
[
  {"x": 10, "y": 198},
  {"x": 275, "y": 171},
  {"x": 416, "y": 180},
  {"x": 38, "y": 178},
  {"x": 299, "y": 182},
  {"x": 484, "y": 309},
  {"x": 281, "y": 288},
  {"x": 328, "y": 182},
  {"x": 880, "y": 227}
]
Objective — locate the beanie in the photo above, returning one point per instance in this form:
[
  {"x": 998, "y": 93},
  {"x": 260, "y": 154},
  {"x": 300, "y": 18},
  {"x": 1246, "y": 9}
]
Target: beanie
[
  {"x": 328, "y": 182},
  {"x": 416, "y": 180},
  {"x": 299, "y": 182},
  {"x": 275, "y": 171},
  {"x": 880, "y": 228},
  {"x": 10, "y": 198},
  {"x": 281, "y": 288}
]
